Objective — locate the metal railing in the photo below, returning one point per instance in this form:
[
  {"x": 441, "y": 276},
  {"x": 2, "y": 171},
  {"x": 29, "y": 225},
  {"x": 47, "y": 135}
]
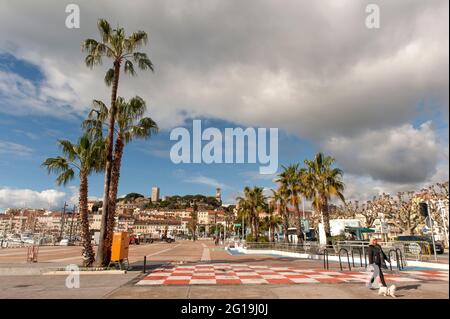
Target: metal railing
[
  {"x": 348, "y": 259},
  {"x": 360, "y": 255},
  {"x": 349, "y": 248},
  {"x": 325, "y": 259}
]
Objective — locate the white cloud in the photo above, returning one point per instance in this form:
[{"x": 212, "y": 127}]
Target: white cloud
[
  {"x": 204, "y": 180},
  {"x": 257, "y": 176},
  {"x": 20, "y": 96},
  {"x": 400, "y": 155},
  {"x": 309, "y": 68},
  {"x": 10, "y": 148},
  {"x": 298, "y": 66},
  {"x": 21, "y": 198}
]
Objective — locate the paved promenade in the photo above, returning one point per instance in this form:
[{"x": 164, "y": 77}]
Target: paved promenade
[{"x": 187, "y": 269}]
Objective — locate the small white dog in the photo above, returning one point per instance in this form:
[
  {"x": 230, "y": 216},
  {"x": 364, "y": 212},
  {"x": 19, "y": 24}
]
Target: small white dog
[{"x": 387, "y": 291}]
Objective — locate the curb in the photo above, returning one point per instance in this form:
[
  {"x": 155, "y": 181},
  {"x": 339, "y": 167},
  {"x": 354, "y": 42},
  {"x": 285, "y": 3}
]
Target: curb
[{"x": 86, "y": 272}]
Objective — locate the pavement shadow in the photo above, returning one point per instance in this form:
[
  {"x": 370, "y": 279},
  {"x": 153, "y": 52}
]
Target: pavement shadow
[
  {"x": 150, "y": 265},
  {"x": 409, "y": 287}
]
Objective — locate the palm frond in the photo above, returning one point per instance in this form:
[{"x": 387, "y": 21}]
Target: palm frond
[
  {"x": 109, "y": 77},
  {"x": 105, "y": 29},
  {"x": 143, "y": 61},
  {"x": 65, "y": 177},
  {"x": 89, "y": 45},
  {"x": 68, "y": 149},
  {"x": 129, "y": 68},
  {"x": 137, "y": 39}
]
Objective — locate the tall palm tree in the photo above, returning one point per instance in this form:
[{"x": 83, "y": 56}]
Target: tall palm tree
[
  {"x": 84, "y": 157},
  {"x": 253, "y": 203},
  {"x": 243, "y": 214},
  {"x": 322, "y": 182},
  {"x": 272, "y": 221},
  {"x": 131, "y": 125},
  {"x": 122, "y": 50},
  {"x": 193, "y": 223},
  {"x": 291, "y": 182},
  {"x": 279, "y": 201}
]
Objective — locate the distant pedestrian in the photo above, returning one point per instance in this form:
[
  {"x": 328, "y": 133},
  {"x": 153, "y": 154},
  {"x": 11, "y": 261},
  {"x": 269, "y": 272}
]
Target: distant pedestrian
[{"x": 376, "y": 258}]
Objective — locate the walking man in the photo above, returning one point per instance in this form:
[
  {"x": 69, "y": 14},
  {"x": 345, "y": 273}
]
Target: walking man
[{"x": 376, "y": 258}]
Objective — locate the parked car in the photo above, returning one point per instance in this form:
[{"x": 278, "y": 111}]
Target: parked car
[
  {"x": 428, "y": 240},
  {"x": 134, "y": 240},
  {"x": 66, "y": 242},
  {"x": 169, "y": 238}
]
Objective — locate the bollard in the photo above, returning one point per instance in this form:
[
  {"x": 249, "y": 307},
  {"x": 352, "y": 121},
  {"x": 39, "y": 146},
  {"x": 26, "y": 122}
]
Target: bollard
[
  {"x": 360, "y": 257},
  {"x": 400, "y": 254},
  {"x": 325, "y": 259},
  {"x": 353, "y": 258},
  {"x": 145, "y": 264}
]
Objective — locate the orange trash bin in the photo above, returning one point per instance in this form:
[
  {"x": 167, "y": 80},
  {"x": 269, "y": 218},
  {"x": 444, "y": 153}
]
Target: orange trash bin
[{"x": 119, "y": 250}]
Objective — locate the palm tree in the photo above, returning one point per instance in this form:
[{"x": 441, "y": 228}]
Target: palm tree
[
  {"x": 279, "y": 201},
  {"x": 243, "y": 215},
  {"x": 193, "y": 223},
  {"x": 322, "y": 182},
  {"x": 130, "y": 125},
  {"x": 272, "y": 221},
  {"x": 84, "y": 157},
  {"x": 115, "y": 45},
  {"x": 292, "y": 183},
  {"x": 253, "y": 203}
]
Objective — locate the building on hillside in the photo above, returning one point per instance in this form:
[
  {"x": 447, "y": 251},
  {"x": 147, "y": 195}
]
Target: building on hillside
[
  {"x": 174, "y": 227},
  {"x": 6, "y": 225},
  {"x": 91, "y": 204},
  {"x": 95, "y": 222},
  {"x": 124, "y": 223},
  {"x": 185, "y": 224}
]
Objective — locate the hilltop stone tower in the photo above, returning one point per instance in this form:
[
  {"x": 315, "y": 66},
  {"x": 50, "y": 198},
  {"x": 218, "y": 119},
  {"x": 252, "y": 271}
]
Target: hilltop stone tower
[
  {"x": 219, "y": 195},
  {"x": 155, "y": 194}
]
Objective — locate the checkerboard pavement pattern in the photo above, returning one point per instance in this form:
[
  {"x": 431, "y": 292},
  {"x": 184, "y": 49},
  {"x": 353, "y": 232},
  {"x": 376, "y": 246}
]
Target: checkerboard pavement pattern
[{"x": 226, "y": 274}]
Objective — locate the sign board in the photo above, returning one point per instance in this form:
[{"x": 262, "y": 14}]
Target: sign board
[
  {"x": 237, "y": 225},
  {"x": 414, "y": 248}
]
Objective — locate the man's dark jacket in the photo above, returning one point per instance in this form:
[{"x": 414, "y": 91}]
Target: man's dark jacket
[{"x": 376, "y": 255}]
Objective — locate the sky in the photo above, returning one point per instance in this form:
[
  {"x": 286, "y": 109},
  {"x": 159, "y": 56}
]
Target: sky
[{"x": 374, "y": 99}]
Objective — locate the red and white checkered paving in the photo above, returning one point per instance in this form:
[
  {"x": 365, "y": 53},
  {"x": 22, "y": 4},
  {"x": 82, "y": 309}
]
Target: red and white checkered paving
[{"x": 223, "y": 274}]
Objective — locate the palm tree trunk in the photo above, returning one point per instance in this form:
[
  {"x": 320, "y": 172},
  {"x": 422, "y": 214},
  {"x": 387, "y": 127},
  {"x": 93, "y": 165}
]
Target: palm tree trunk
[
  {"x": 88, "y": 252},
  {"x": 272, "y": 232},
  {"x": 298, "y": 224},
  {"x": 285, "y": 226},
  {"x": 101, "y": 251},
  {"x": 115, "y": 175},
  {"x": 326, "y": 218},
  {"x": 256, "y": 222}
]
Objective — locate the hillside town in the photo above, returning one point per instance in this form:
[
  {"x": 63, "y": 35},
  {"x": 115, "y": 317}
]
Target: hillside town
[
  {"x": 135, "y": 215},
  {"x": 384, "y": 216}
]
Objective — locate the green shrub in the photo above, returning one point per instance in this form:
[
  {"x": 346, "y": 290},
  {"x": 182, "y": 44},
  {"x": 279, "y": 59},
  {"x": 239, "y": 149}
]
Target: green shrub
[
  {"x": 337, "y": 238},
  {"x": 263, "y": 239}
]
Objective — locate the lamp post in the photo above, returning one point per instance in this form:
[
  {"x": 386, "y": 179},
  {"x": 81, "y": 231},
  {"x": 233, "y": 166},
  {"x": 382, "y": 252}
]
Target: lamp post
[
  {"x": 71, "y": 224},
  {"x": 62, "y": 221},
  {"x": 424, "y": 210}
]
